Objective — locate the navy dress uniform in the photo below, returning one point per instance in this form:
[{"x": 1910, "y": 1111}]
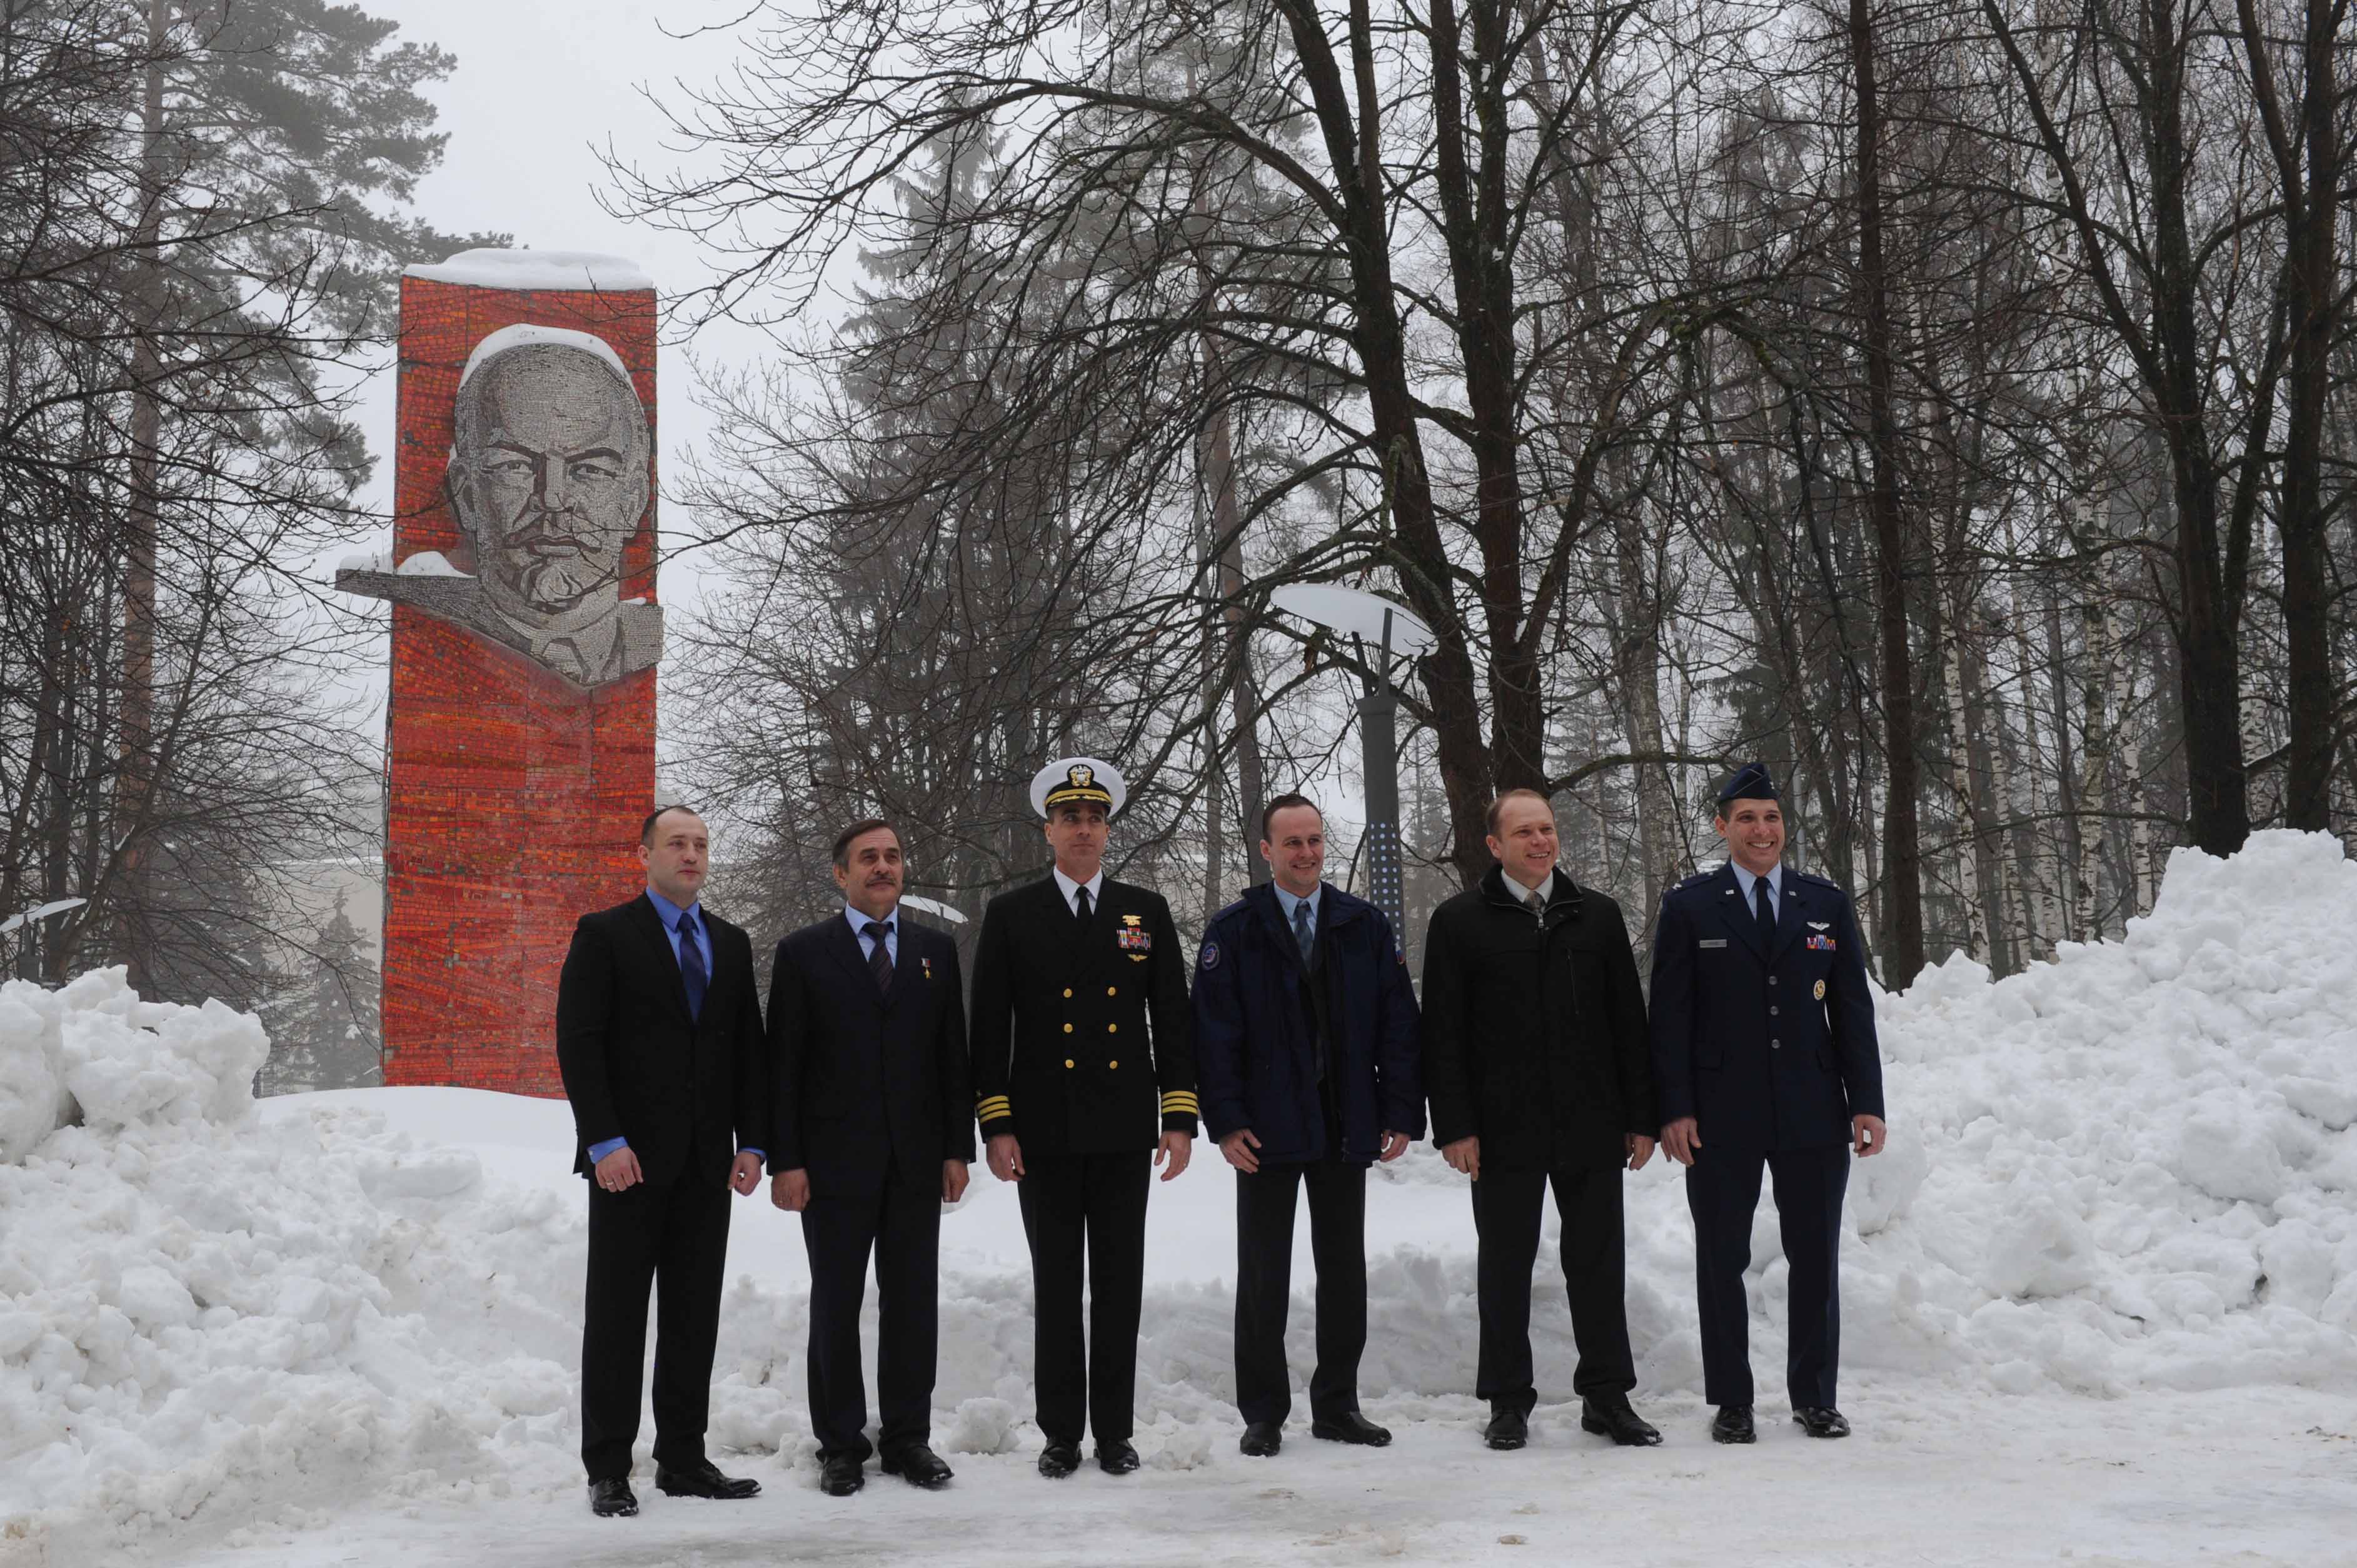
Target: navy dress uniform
[
  {"x": 1763, "y": 1032},
  {"x": 1081, "y": 1048}
]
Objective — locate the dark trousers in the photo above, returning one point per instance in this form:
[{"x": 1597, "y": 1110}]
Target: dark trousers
[
  {"x": 1093, "y": 1204},
  {"x": 1338, "y": 1243},
  {"x": 1507, "y": 1207},
  {"x": 1722, "y": 1189},
  {"x": 901, "y": 1226},
  {"x": 674, "y": 1238}
]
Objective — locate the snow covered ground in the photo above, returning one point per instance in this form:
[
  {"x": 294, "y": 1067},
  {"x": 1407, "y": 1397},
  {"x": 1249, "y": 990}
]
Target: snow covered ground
[{"x": 2100, "y": 1304}]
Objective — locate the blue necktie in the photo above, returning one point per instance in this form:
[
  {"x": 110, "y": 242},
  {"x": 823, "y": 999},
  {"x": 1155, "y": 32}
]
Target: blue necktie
[
  {"x": 1302, "y": 933},
  {"x": 879, "y": 957},
  {"x": 690, "y": 965}
]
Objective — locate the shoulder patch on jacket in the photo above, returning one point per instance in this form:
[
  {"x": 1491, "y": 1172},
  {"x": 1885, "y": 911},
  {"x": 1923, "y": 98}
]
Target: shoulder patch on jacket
[{"x": 1209, "y": 957}]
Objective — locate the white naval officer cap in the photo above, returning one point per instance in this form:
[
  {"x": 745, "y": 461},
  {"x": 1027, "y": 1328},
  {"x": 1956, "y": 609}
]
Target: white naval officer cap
[{"x": 1078, "y": 778}]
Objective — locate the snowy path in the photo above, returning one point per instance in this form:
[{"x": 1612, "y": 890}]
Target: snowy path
[{"x": 2249, "y": 1477}]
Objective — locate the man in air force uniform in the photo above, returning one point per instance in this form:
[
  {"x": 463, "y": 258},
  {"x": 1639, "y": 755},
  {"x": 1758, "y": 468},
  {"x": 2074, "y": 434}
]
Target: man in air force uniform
[
  {"x": 1083, "y": 1074},
  {"x": 1764, "y": 1053}
]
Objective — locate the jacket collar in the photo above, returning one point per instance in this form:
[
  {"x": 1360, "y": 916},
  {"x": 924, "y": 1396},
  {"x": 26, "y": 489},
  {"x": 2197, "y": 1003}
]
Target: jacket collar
[{"x": 1562, "y": 899}]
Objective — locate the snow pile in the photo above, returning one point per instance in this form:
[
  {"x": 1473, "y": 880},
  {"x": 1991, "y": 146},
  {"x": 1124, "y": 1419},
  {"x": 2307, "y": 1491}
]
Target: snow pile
[
  {"x": 93, "y": 1052},
  {"x": 2131, "y": 1167},
  {"x": 200, "y": 1310}
]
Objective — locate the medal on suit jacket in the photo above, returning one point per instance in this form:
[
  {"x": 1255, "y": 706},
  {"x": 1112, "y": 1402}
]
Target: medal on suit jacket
[{"x": 1134, "y": 938}]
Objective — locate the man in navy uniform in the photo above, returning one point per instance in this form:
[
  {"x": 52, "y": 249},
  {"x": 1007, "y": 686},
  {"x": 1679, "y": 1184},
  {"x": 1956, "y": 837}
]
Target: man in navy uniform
[
  {"x": 1305, "y": 1033},
  {"x": 659, "y": 1041},
  {"x": 1764, "y": 1053},
  {"x": 1082, "y": 1075},
  {"x": 872, "y": 1132},
  {"x": 1535, "y": 1057}
]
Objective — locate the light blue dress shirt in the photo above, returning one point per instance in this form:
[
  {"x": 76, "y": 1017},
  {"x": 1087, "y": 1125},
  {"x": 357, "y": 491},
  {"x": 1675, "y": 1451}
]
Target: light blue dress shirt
[
  {"x": 1288, "y": 903},
  {"x": 669, "y": 913},
  {"x": 1744, "y": 879},
  {"x": 891, "y": 932}
]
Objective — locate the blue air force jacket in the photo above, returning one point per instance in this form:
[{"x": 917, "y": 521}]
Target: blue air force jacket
[{"x": 1768, "y": 1044}]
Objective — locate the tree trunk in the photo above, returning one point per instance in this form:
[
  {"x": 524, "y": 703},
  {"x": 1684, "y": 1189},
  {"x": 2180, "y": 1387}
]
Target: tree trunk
[
  {"x": 2312, "y": 290},
  {"x": 1901, "y": 834},
  {"x": 136, "y": 782}
]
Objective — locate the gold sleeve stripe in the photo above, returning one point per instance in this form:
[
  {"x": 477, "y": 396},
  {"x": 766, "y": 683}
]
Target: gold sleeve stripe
[
  {"x": 1178, "y": 1101},
  {"x": 997, "y": 1105}
]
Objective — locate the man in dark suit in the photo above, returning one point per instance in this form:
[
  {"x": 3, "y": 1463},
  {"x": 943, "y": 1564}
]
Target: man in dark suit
[
  {"x": 1764, "y": 1053},
  {"x": 871, "y": 1135},
  {"x": 658, "y": 1039},
  {"x": 1074, "y": 1098},
  {"x": 1534, "y": 1059},
  {"x": 1305, "y": 1031}
]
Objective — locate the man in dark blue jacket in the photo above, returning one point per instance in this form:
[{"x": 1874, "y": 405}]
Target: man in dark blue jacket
[
  {"x": 1764, "y": 1053},
  {"x": 1306, "y": 1057}
]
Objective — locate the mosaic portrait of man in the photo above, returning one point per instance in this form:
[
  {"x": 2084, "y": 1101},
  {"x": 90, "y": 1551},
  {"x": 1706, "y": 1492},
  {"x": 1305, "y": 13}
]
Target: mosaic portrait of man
[{"x": 549, "y": 476}]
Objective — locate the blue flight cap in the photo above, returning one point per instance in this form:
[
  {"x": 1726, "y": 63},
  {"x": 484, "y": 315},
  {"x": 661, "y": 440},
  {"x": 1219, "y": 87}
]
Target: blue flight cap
[{"x": 1750, "y": 782}]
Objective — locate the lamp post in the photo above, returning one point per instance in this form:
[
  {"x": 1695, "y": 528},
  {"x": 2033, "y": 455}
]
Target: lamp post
[{"x": 1393, "y": 631}]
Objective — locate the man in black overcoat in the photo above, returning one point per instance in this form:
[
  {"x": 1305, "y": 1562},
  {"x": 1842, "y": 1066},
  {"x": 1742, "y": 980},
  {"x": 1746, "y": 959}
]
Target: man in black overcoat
[
  {"x": 872, "y": 1133},
  {"x": 659, "y": 1041},
  {"x": 1305, "y": 1037},
  {"x": 1764, "y": 1054},
  {"x": 1082, "y": 1075},
  {"x": 1534, "y": 1057}
]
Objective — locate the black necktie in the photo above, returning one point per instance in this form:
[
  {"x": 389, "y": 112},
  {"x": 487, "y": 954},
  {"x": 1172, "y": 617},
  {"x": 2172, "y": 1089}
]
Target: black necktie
[
  {"x": 692, "y": 972},
  {"x": 1080, "y": 903},
  {"x": 879, "y": 957},
  {"x": 1763, "y": 911}
]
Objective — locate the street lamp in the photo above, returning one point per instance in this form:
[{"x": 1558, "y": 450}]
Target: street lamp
[{"x": 1394, "y": 630}]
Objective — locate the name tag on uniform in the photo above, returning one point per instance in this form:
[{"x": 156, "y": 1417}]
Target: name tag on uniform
[{"x": 1713, "y": 942}]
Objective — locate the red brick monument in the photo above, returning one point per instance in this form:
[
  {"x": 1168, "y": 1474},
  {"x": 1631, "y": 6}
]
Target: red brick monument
[{"x": 522, "y": 723}]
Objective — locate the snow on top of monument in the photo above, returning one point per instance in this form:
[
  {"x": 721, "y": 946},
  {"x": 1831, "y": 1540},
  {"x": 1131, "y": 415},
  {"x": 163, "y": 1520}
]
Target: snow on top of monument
[
  {"x": 424, "y": 564},
  {"x": 428, "y": 563},
  {"x": 524, "y": 334},
  {"x": 495, "y": 268}
]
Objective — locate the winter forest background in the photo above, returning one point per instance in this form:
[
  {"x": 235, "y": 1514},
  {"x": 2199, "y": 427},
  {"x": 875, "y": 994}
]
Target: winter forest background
[{"x": 1951, "y": 404}]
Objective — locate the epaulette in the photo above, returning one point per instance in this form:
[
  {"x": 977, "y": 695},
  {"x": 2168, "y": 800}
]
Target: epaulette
[
  {"x": 1225, "y": 911},
  {"x": 1821, "y": 881},
  {"x": 1696, "y": 880}
]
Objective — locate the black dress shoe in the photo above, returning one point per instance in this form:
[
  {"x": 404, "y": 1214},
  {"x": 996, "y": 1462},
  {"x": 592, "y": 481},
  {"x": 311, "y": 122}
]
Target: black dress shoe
[
  {"x": 1350, "y": 1427},
  {"x": 1261, "y": 1438},
  {"x": 1507, "y": 1429},
  {"x": 1058, "y": 1459},
  {"x": 703, "y": 1480},
  {"x": 1822, "y": 1421},
  {"x": 1733, "y": 1424},
  {"x": 1117, "y": 1458},
  {"x": 917, "y": 1465},
  {"x": 1615, "y": 1420},
  {"x": 842, "y": 1475},
  {"x": 613, "y": 1499}
]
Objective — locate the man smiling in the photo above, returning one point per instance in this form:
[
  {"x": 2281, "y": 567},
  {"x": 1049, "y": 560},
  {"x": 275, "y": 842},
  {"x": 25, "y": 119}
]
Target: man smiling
[
  {"x": 1764, "y": 1053},
  {"x": 1534, "y": 1059},
  {"x": 1305, "y": 1033}
]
